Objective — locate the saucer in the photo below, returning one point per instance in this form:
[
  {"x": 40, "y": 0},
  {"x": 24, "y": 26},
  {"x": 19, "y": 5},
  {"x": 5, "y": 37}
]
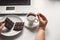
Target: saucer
[
  {"x": 11, "y": 32},
  {"x": 35, "y": 24}
]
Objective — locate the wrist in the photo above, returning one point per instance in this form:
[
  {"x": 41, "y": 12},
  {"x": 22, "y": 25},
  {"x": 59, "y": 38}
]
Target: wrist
[{"x": 41, "y": 28}]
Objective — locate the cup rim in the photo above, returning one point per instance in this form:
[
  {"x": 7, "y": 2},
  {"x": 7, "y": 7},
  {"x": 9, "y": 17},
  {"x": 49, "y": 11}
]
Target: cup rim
[{"x": 32, "y": 14}]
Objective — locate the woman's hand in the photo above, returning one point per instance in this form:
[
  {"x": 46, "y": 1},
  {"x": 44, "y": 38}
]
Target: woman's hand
[
  {"x": 1, "y": 26},
  {"x": 42, "y": 21}
]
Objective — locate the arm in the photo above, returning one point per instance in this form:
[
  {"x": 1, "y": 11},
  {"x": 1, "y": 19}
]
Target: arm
[
  {"x": 41, "y": 32},
  {"x": 40, "y": 35}
]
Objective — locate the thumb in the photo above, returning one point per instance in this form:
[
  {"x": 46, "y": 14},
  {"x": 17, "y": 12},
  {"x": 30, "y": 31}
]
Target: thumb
[{"x": 2, "y": 26}]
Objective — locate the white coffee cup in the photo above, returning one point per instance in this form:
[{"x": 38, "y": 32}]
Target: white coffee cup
[{"x": 31, "y": 19}]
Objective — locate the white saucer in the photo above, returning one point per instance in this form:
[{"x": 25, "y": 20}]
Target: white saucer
[
  {"x": 35, "y": 24},
  {"x": 11, "y": 32}
]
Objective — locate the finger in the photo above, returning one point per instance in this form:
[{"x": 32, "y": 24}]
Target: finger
[
  {"x": 2, "y": 26},
  {"x": 38, "y": 17},
  {"x": 42, "y": 16},
  {"x": 1, "y": 23}
]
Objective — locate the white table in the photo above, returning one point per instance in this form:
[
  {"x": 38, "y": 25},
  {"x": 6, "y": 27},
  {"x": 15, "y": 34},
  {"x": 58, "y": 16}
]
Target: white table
[{"x": 51, "y": 9}]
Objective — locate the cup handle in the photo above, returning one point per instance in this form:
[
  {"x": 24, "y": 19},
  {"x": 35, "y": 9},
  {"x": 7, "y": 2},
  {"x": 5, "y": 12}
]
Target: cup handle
[{"x": 36, "y": 20}]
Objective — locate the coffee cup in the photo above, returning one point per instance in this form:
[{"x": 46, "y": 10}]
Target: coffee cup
[{"x": 31, "y": 17}]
